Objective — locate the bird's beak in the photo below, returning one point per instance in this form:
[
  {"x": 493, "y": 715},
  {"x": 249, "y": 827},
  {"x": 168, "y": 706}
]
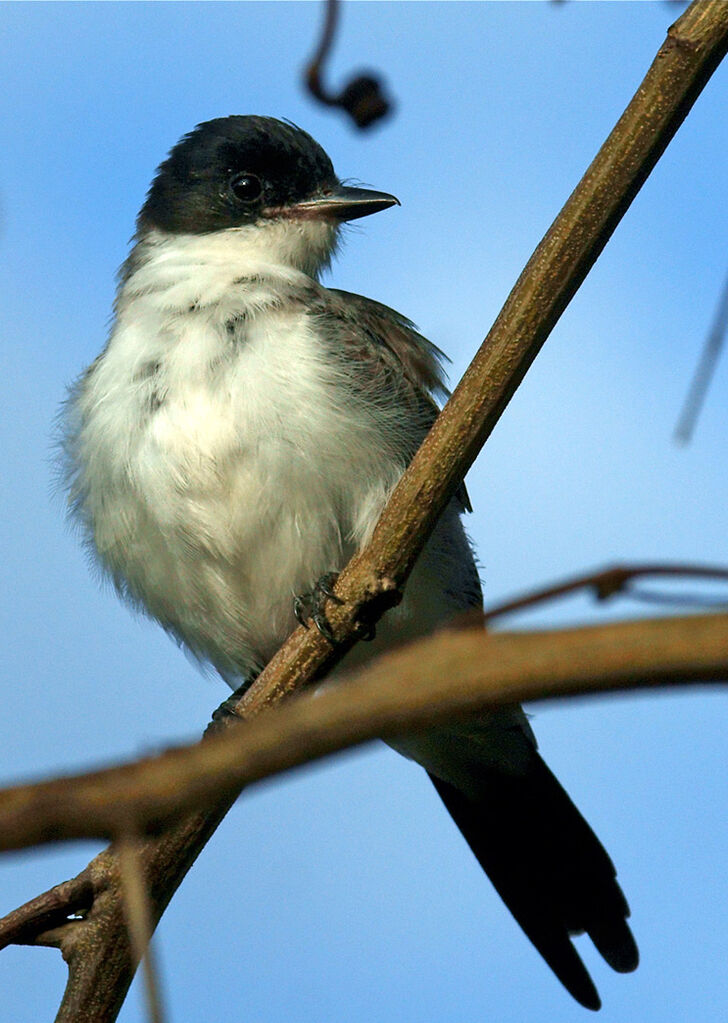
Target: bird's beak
[{"x": 343, "y": 203}]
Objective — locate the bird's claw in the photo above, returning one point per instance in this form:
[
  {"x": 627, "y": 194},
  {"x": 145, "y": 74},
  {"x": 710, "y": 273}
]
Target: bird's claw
[
  {"x": 300, "y": 609},
  {"x": 225, "y": 713},
  {"x": 367, "y": 632},
  {"x": 310, "y": 607}
]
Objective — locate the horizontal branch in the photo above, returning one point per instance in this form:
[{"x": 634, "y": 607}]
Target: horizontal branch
[{"x": 454, "y": 673}]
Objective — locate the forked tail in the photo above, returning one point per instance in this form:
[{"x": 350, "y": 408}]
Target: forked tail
[{"x": 549, "y": 868}]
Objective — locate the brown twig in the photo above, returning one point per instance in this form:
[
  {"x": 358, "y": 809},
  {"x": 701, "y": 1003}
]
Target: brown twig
[
  {"x": 451, "y": 674},
  {"x": 38, "y": 921},
  {"x": 100, "y": 965},
  {"x": 606, "y": 583},
  {"x": 362, "y": 97}
]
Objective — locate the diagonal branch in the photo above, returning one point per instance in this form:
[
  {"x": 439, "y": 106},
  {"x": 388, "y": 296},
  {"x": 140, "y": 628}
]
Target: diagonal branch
[
  {"x": 455, "y": 673},
  {"x": 97, "y": 948},
  {"x": 693, "y": 49}
]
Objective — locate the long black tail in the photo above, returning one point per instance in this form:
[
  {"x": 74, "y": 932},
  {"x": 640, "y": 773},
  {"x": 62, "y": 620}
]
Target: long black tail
[{"x": 550, "y": 869}]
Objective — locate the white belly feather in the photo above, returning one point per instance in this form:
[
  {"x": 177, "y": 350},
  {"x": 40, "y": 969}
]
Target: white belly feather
[{"x": 222, "y": 474}]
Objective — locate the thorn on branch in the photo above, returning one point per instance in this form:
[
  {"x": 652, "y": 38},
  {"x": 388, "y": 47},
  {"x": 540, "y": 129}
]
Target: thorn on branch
[{"x": 362, "y": 97}]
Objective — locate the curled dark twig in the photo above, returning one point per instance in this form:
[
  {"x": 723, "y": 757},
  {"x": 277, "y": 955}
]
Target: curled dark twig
[
  {"x": 616, "y": 580},
  {"x": 362, "y": 97}
]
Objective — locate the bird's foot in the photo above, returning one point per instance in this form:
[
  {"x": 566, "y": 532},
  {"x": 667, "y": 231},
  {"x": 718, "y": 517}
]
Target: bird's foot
[
  {"x": 311, "y": 607},
  {"x": 225, "y": 713}
]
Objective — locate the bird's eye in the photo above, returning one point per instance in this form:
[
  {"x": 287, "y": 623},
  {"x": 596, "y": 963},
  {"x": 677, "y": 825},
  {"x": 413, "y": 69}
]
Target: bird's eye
[{"x": 245, "y": 187}]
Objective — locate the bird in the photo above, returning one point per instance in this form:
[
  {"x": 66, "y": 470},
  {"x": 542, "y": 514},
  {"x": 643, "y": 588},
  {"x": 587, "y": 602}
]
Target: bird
[{"x": 233, "y": 446}]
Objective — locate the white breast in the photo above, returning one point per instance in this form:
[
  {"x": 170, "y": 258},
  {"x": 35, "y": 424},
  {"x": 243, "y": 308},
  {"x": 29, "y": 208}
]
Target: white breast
[{"x": 220, "y": 464}]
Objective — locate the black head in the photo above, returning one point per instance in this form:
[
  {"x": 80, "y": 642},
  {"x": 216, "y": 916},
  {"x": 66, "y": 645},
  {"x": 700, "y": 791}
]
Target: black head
[
  {"x": 242, "y": 169},
  {"x": 226, "y": 171}
]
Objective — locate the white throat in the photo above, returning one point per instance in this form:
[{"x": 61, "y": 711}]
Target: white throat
[{"x": 270, "y": 248}]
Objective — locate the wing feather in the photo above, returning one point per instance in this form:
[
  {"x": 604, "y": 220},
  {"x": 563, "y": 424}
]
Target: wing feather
[{"x": 392, "y": 346}]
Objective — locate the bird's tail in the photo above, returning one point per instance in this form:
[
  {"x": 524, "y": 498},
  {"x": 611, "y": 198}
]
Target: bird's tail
[{"x": 549, "y": 868}]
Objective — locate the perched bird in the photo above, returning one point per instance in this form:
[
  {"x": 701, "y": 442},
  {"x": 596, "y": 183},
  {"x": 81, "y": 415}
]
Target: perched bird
[{"x": 236, "y": 441}]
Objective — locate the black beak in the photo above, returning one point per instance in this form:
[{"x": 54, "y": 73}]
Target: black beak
[{"x": 344, "y": 203}]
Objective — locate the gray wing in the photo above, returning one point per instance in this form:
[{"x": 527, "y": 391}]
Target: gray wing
[
  {"x": 420, "y": 360},
  {"x": 389, "y": 346}
]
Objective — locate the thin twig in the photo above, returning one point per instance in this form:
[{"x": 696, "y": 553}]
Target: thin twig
[
  {"x": 606, "y": 583},
  {"x": 139, "y": 920},
  {"x": 315, "y": 66},
  {"x": 704, "y": 371}
]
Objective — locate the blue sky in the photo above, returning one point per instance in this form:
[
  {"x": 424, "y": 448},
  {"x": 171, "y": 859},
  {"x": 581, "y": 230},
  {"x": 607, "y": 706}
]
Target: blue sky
[{"x": 345, "y": 892}]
